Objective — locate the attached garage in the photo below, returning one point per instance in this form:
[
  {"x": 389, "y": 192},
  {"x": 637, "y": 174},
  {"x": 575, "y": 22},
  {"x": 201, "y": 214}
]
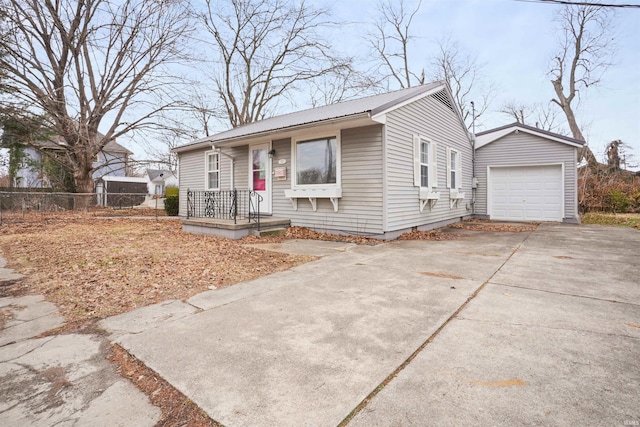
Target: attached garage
[{"x": 526, "y": 174}]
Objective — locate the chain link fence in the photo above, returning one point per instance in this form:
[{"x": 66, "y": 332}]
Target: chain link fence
[{"x": 40, "y": 205}]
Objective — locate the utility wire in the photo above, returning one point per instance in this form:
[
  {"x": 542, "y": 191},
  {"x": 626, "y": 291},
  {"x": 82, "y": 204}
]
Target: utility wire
[{"x": 583, "y": 3}]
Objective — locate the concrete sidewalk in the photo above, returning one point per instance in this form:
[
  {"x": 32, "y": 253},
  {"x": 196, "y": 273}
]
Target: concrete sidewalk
[
  {"x": 306, "y": 346},
  {"x": 61, "y": 379}
]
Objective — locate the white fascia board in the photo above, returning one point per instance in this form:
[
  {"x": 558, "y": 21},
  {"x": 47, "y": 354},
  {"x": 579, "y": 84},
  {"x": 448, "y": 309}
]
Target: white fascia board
[
  {"x": 381, "y": 114},
  {"x": 488, "y": 138}
]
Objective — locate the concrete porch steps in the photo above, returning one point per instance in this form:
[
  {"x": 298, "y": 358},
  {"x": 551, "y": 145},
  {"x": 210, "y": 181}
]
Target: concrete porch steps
[{"x": 227, "y": 228}]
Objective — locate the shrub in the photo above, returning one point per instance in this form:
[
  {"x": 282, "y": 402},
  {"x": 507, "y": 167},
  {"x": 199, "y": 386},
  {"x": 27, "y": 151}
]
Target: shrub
[
  {"x": 618, "y": 201},
  {"x": 171, "y": 191},
  {"x": 171, "y": 205}
]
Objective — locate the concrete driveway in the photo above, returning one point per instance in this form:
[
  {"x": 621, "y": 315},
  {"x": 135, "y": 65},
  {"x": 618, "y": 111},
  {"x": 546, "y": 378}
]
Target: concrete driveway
[{"x": 496, "y": 328}]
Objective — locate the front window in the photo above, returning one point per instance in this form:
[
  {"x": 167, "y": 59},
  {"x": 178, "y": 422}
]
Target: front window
[
  {"x": 213, "y": 172},
  {"x": 316, "y": 161},
  {"x": 424, "y": 164}
]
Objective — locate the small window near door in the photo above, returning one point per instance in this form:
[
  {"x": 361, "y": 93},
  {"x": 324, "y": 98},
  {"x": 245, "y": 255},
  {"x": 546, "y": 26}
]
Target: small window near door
[
  {"x": 213, "y": 171},
  {"x": 316, "y": 162}
]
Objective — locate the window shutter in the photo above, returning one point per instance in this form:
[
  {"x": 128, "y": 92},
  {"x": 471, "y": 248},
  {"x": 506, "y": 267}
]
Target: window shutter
[
  {"x": 448, "y": 167},
  {"x": 416, "y": 160},
  {"x": 459, "y": 173},
  {"x": 434, "y": 165}
]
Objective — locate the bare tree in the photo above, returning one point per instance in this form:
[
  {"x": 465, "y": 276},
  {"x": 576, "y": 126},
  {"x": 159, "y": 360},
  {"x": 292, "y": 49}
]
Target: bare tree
[
  {"x": 266, "y": 49},
  {"x": 463, "y": 73},
  {"x": 341, "y": 85},
  {"x": 537, "y": 114},
  {"x": 583, "y": 55},
  {"x": 390, "y": 43},
  {"x": 91, "y": 63}
]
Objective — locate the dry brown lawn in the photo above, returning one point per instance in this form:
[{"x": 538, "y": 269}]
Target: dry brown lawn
[{"x": 96, "y": 267}]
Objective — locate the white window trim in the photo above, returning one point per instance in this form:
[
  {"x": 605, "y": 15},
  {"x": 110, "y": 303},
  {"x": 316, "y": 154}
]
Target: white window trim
[
  {"x": 427, "y": 195},
  {"x": 294, "y": 161},
  {"x": 433, "y": 162},
  {"x": 206, "y": 170},
  {"x": 458, "y": 169},
  {"x": 455, "y": 195}
]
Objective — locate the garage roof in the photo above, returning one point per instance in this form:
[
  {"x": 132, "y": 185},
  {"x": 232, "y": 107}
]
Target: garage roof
[{"x": 488, "y": 136}]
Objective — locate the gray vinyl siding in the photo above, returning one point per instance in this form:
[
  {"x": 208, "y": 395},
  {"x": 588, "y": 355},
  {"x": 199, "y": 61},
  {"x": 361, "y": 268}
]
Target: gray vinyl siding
[
  {"x": 241, "y": 168},
  {"x": 191, "y": 171},
  {"x": 430, "y": 118},
  {"x": 190, "y": 175},
  {"x": 360, "y": 208},
  {"x": 524, "y": 149}
]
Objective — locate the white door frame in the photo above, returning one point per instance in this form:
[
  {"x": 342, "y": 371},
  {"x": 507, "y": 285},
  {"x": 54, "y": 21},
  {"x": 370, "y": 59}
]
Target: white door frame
[{"x": 266, "y": 205}]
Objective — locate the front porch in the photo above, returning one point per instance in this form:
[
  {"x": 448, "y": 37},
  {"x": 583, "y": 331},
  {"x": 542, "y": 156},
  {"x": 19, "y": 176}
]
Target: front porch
[{"x": 233, "y": 214}]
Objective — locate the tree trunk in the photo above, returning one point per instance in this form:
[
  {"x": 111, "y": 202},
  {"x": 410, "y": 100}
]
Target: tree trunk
[
  {"x": 565, "y": 103},
  {"x": 84, "y": 185}
]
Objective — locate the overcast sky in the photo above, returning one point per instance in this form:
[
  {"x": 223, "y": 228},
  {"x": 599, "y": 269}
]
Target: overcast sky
[{"x": 514, "y": 41}]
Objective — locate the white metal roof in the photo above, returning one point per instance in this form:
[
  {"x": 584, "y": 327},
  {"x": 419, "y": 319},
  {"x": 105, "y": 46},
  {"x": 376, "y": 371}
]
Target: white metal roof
[{"x": 371, "y": 105}]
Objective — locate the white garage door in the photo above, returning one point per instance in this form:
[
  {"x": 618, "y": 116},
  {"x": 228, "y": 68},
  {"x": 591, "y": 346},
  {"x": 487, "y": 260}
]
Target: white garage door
[{"x": 526, "y": 193}]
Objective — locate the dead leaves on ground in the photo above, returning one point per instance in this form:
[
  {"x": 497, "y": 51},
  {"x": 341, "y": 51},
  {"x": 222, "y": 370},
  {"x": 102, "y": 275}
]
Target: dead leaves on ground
[
  {"x": 478, "y": 225},
  {"x": 309, "y": 234},
  {"x": 94, "y": 268},
  {"x": 177, "y": 409},
  {"x": 429, "y": 235}
]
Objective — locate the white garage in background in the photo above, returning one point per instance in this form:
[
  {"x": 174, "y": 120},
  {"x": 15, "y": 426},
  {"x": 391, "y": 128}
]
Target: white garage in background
[{"x": 526, "y": 174}]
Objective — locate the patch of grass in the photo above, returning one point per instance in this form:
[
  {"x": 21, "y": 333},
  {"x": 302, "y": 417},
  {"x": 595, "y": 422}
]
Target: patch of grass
[{"x": 625, "y": 220}]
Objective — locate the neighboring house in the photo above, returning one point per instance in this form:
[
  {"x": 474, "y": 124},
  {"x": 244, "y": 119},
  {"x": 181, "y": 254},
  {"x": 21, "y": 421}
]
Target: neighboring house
[
  {"x": 158, "y": 180},
  {"x": 30, "y": 173},
  {"x": 526, "y": 174},
  {"x": 113, "y": 160},
  {"x": 377, "y": 166}
]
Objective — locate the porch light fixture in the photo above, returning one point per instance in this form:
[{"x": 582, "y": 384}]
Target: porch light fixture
[{"x": 272, "y": 153}]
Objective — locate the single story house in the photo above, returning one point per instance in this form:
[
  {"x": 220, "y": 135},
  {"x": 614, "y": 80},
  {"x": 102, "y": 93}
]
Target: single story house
[
  {"x": 526, "y": 174},
  {"x": 377, "y": 166},
  {"x": 158, "y": 180}
]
